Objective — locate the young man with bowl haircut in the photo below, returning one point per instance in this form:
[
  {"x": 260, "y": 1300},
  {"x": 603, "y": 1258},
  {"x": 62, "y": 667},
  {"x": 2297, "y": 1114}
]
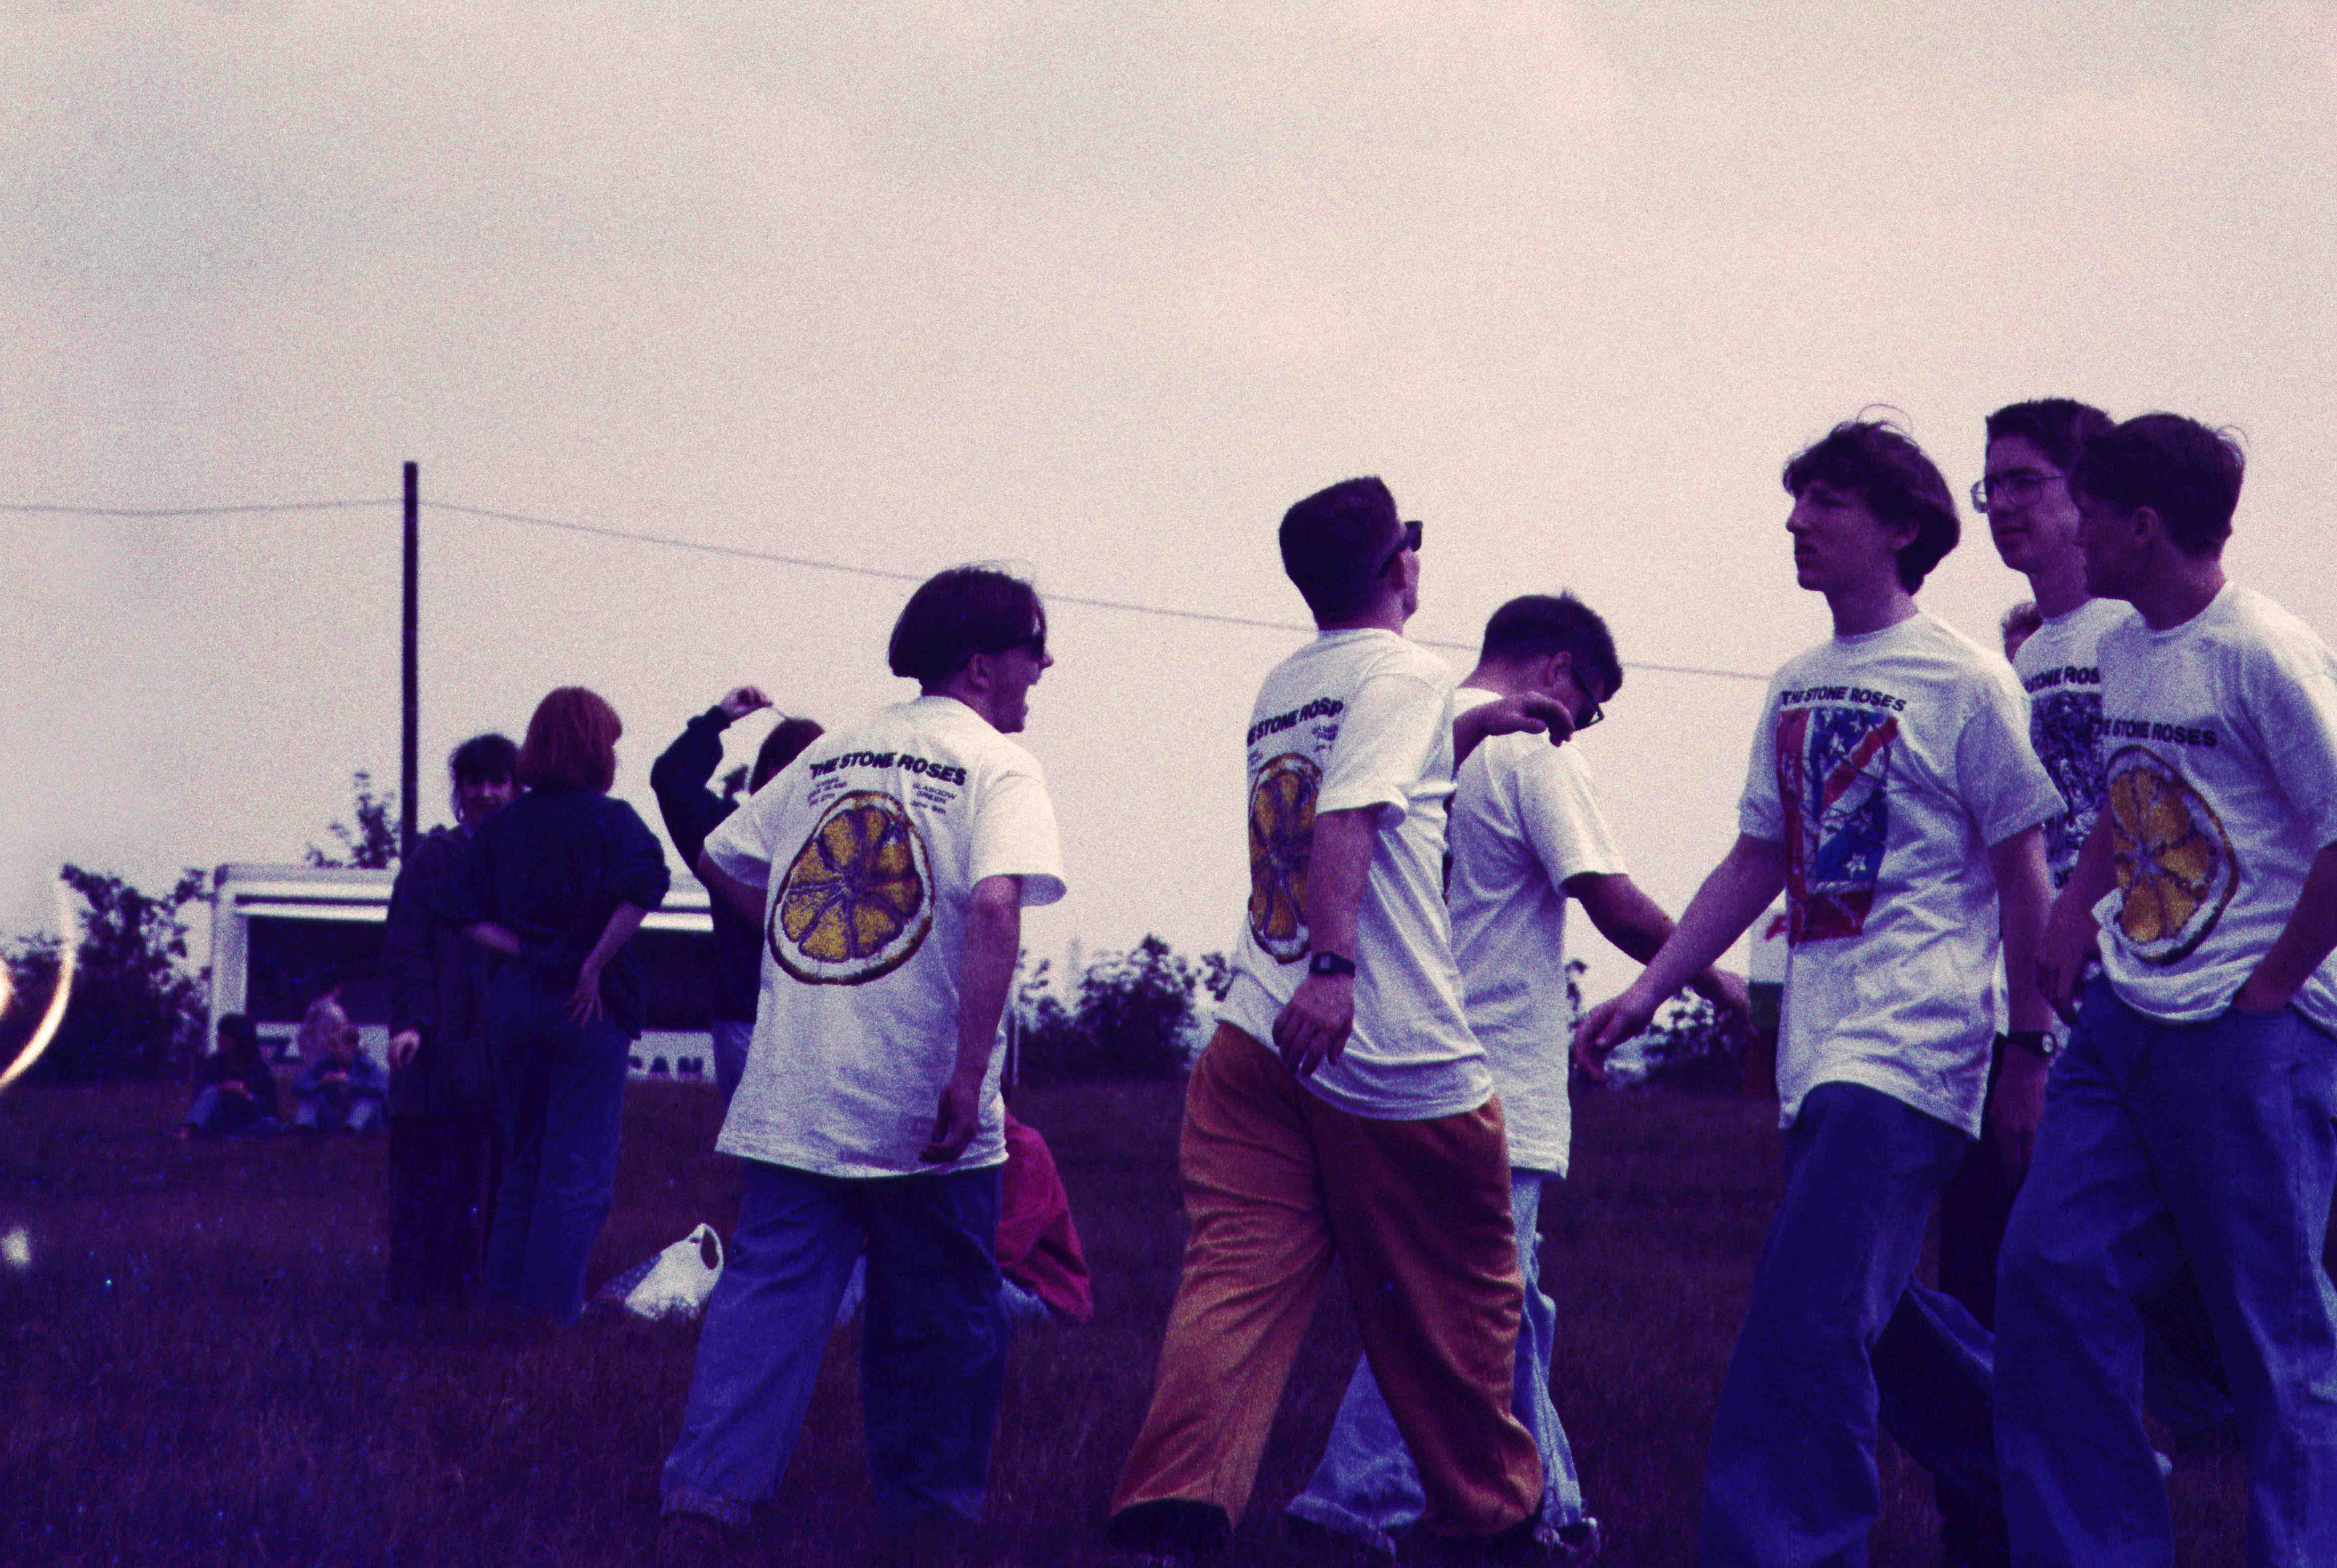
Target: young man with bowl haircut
[
  {"x": 2191, "y": 1119},
  {"x": 1344, "y": 1109},
  {"x": 1894, "y": 797},
  {"x": 888, "y": 867}
]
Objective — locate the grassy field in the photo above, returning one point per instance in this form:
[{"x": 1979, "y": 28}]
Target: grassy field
[{"x": 196, "y": 1369}]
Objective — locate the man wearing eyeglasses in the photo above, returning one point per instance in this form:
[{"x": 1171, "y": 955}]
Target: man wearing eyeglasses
[
  {"x": 1344, "y": 1108},
  {"x": 1527, "y": 837}
]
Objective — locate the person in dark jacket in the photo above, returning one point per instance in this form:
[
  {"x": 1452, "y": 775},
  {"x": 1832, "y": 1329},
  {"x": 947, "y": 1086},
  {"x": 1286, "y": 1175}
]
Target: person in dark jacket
[
  {"x": 235, "y": 1091},
  {"x": 691, "y": 811},
  {"x": 555, "y": 885},
  {"x": 442, "y": 1097}
]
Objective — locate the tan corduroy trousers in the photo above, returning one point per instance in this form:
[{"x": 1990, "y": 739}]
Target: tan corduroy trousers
[{"x": 1418, "y": 1212}]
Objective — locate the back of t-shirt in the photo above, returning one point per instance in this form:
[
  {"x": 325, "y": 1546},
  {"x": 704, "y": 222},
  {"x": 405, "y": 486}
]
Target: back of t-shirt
[
  {"x": 1360, "y": 719},
  {"x": 869, "y": 847},
  {"x": 1524, "y": 820}
]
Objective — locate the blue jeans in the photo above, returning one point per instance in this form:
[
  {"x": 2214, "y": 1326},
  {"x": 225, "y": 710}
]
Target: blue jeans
[
  {"x": 2163, "y": 1144},
  {"x": 560, "y": 1089},
  {"x": 1839, "y": 1339},
  {"x": 1367, "y": 1485},
  {"x": 215, "y": 1115},
  {"x": 932, "y": 1355}
]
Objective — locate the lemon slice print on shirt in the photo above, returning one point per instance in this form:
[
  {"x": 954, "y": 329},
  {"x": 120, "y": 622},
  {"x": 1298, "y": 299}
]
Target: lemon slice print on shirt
[
  {"x": 1281, "y": 836},
  {"x": 2176, "y": 871},
  {"x": 857, "y": 899}
]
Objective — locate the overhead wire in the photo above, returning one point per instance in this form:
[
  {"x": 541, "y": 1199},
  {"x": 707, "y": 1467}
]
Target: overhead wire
[{"x": 742, "y": 553}]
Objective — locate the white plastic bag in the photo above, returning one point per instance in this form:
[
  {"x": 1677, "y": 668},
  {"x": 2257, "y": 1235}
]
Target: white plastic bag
[{"x": 682, "y": 1279}]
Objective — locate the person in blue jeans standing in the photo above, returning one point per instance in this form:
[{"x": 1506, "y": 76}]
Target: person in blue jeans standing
[
  {"x": 888, "y": 868},
  {"x": 2193, "y": 1118},
  {"x": 1895, "y": 800},
  {"x": 555, "y": 885}
]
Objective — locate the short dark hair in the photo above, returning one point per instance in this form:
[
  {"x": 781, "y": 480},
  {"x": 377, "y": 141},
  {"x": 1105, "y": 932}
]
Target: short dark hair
[
  {"x": 782, "y": 746},
  {"x": 571, "y": 742},
  {"x": 2187, "y": 474},
  {"x": 483, "y": 759},
  {"x": 958, "y": 614},
  {"x": 1536, "y": 625},
  {"x": 1335, "y": 544},
  {"x": 239, "y": 1030},
  {"x": 2059, "y": 427},
  {"x": 1880, "y": 461}
]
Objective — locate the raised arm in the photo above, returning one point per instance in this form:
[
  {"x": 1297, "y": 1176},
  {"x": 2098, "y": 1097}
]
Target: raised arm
[
  {"x": 1529, "y": 713},
  {"x": 1744, "y": 883},
  {"x": 993, "y": 940}
]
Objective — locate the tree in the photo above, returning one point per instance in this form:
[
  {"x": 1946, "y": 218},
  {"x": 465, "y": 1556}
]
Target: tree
[
  {"x": 135, "y": 1011},
  {"x": 373, "y": 843},
  {"x": 1133, "y": 1017}
]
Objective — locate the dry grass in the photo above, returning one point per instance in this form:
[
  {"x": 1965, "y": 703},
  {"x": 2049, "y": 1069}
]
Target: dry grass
[{"x": 196, "y": 1370}]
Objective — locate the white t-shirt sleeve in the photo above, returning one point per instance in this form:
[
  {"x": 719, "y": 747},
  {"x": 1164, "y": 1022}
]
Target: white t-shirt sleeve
[
  {"x": 1385, "y": 740},
  {"x": 2289, "y": 689},
  {"x": 1759, "y": 811},
  {"x": 1998, "y": 777},
  {"x": 1014, "y": 835},
  {"x": 741, "y": 844},
  {"x": 1561, "y": 816}
]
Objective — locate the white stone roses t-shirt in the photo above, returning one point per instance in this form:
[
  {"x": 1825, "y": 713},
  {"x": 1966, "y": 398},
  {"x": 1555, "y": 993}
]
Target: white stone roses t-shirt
[
  {"x": 1353, "y": 720},
  {"x": 869, "y": 847},
  {"x": 1888, "y": 764},
  {"x": 1524, "y": 819},
  {"x": 2060, "y": 670},
  {"x": 2222, "y": 739}
]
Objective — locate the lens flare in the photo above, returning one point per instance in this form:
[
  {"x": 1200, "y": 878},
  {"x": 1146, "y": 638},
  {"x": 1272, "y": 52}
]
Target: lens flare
[{"x": 68, "y": 954}]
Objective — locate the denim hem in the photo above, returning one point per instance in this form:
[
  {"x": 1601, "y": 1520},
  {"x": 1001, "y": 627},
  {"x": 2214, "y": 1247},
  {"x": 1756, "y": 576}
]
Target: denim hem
[{"x": 721, "y": 1510}]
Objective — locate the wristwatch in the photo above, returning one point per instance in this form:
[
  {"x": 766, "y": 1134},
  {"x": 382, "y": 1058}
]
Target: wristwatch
[
  {"x": 2038, "y": 1041},
  {"x": 1330, "y": 964}
]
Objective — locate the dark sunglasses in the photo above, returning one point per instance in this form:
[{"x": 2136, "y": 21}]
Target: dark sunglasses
[{"x": 1410, "y": 541}]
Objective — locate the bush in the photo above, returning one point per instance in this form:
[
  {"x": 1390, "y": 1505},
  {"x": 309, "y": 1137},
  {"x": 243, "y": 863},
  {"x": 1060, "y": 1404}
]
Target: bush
[
  {"x": 135, "y": 1011},
  {"x": 1133, "y": 1019},
  {"x": 1689, "y": 1046}
]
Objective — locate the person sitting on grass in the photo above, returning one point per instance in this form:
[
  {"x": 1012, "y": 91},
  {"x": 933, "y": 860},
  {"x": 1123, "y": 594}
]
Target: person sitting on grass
[
  {"x": 340, "y": 1089},
  {"x": 235, "y": 1091}
]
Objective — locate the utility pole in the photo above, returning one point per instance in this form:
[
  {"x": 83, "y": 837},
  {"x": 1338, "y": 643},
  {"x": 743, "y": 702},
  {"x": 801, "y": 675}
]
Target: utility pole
[{"x": 411, "y": 741}]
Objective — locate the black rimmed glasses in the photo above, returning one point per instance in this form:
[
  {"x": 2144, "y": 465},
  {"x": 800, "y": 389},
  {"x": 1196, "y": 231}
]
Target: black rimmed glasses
[
  {"x": 1597, "y": 710},
  {"x": 1410, "y": 541},
  {"x": 2013, "y": 487}
]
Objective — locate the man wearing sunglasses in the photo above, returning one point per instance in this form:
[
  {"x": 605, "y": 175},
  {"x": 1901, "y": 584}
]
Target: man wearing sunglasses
[
  {"x": 1528, "y": 837},
  {"x": 1344, "y": 1108}
]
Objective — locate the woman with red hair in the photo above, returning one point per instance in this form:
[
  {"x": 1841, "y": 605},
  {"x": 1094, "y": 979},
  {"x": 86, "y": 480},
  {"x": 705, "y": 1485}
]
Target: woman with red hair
[{"x": 556, "y": 885}]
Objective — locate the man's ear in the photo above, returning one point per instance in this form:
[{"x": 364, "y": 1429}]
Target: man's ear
[{"x": 2145, "y": 527}]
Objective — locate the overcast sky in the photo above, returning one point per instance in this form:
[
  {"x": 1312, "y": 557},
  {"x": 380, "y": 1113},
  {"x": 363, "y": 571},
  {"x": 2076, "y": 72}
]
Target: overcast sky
[{"x": 1097, "y": 290}]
